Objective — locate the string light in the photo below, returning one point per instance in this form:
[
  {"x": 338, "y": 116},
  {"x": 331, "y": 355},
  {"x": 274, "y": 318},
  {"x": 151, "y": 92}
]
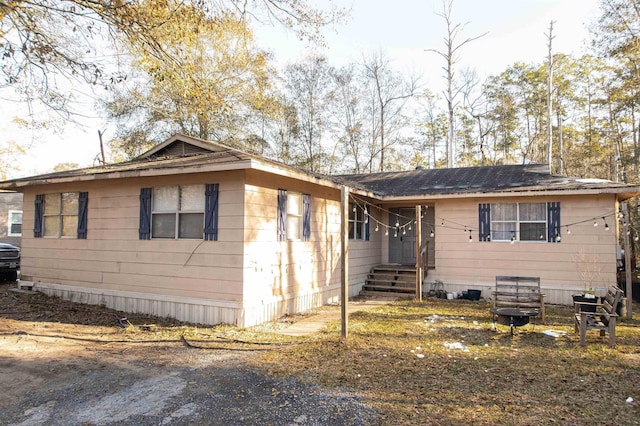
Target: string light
[{"x": 403, "y": 222}]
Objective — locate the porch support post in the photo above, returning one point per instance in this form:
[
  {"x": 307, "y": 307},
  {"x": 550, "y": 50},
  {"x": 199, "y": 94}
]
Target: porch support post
[
  {"x": 627, "y": 259},
  {"x": 344, "y": 256},
  {"x": 419, "y": 265}
]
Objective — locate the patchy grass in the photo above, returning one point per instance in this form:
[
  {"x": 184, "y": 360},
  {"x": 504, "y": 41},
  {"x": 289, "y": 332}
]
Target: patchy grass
[
  {"x": 442, "y": 362},
  {"x": 438, "y": 362}
]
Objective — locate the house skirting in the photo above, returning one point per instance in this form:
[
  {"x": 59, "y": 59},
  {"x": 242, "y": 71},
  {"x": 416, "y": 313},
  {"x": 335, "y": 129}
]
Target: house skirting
[
  {"x": 198, "y": 311},
  {"x": 552, "y": 295},
  {"x": 192, "y": 310},
  {"x": 295, "y": 303}
]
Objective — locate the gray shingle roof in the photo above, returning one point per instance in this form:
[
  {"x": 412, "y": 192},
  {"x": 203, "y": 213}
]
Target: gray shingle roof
[{"x": 466, "y": 180}]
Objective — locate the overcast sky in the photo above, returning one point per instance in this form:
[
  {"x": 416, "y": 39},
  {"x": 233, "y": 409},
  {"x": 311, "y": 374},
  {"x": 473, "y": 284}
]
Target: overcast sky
[{"x": 402, "y": 29}]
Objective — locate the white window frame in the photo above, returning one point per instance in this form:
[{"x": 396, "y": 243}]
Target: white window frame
[
  {"x": 177, "y": 211},
  {"x": 11, "y": 222},
  {"x": 516, "y": 234},
  {"x": 294, "y": 215}
]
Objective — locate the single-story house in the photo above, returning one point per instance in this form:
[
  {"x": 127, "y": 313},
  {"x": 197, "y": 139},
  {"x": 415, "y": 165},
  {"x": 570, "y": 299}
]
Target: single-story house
[{"x": 206, "y": 233}]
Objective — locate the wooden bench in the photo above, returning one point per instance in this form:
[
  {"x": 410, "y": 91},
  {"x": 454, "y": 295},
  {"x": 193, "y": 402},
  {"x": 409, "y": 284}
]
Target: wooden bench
[
  {"x": 520, "y": 293},
  {"x": 603, "y": 319}
]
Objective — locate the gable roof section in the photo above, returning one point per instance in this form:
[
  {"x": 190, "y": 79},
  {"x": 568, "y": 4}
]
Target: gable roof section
[
  {"x": 179, "y": 154},
  {"x": 181, "y": 146},
  {"x": 464, "y": 181}
]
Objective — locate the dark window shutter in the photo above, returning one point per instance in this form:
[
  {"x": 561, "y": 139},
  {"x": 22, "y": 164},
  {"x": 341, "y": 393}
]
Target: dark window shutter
[
  {"x": 306, "y": 217},
  {"x": 282, "y": 214},
  {"x": 144, "y": 232},
  {"x": 38, "y": 216},
  {"x": 211, "y": 212},
  {"x": 553, "y": 222},
  {"x": 484, "y": 222},
  {"x": 83, "y": 205}
]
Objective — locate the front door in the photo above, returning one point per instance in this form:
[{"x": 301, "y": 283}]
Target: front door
[{"x": 402, "y": 247}]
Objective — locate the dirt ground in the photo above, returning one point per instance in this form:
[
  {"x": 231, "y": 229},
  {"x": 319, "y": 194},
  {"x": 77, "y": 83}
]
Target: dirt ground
[{"x": 69, "y": 364}]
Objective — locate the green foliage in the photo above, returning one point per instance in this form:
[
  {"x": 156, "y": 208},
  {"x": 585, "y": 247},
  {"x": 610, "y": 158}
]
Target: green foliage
[{"x": 215, "y": 83}]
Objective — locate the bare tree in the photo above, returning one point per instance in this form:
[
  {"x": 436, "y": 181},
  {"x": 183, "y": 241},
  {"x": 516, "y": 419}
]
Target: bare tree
[
  {"x": 390, "y": 91},
  {"x": 450, "y": 55}
]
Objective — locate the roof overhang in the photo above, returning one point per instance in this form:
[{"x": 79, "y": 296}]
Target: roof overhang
[{"x": 620, "y": 193}]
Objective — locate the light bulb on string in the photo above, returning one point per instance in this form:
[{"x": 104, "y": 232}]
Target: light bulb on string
[
  {"x": 432, "y": 234},
  {"x": 386, "y": 231},
  {"x": 395, "y": 234},
  {"x": 409, "y": 226},
  {"x": 595, "y": 224},
  {"x": 470, "y": 237},
  {"x": 404, "y": 231},
  {"x": 377, "y": 229},
  {"x": 568, "y": 231},
  {"x": 606, "y": 225},
  {"x": 397, "y": 221},
  {"x": 558, "y": 238}
]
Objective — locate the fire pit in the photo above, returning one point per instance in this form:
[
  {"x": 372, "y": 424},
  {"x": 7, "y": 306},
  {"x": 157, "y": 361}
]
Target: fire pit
[{"x": 513, "y": 317}]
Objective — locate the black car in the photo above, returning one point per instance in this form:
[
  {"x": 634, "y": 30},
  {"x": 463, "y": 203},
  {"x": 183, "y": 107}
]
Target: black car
[{"x": 9, "y": 262}]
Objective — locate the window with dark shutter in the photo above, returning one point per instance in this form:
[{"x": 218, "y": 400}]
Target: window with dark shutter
[
  {"x": 553, "y": 222},
  {"x": 211, "y": 212},
  {"x": 38, "y": 216},
  {"x": 144, "y": 230},
  {"x": 306, "y": 217},
  {"x": 484, "y": 222},
  {"x": 282, "y": 214},
  {"x": 83, "y": 206}
]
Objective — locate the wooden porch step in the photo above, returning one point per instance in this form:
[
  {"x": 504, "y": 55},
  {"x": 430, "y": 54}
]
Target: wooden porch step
[
  {"x": 392, "y": 289},
  {"x": 391, "y": 279}
]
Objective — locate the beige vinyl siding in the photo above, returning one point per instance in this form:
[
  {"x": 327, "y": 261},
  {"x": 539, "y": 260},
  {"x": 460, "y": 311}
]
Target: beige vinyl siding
[
  {"x": 292, "y": 276},
  {"x": 464, "y": 264},
  {"x": 112, "y": 258}
]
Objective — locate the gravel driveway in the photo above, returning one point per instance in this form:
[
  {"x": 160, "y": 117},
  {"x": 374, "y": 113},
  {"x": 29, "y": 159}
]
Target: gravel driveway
[{"x": 54, "y": 372}]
